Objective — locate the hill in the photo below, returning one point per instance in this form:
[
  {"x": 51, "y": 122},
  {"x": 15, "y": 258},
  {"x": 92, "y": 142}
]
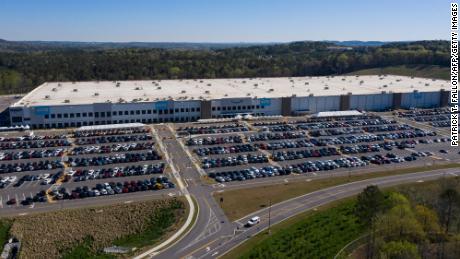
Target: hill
[
  {"x": 29, "y": 66},
  {"x": 427, "y": 71}
]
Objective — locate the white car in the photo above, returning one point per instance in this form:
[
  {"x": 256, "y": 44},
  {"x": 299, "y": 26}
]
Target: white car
[{"x": 253, "y": 221}]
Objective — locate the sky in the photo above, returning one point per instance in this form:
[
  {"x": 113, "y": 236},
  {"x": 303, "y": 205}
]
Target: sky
[{"x": 224, "y": 20}]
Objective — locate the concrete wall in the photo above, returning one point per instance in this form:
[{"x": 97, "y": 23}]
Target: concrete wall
[
  {"x": 373, "y": 102},
  {"x": 420, "y": 100}
]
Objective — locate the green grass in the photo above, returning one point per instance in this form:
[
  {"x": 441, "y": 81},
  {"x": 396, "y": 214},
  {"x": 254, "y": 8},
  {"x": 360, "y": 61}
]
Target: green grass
[
  {"x": 5, "y": 226},
  {"x": 428, "y": 71},
  {"x": 320, "y": 235},
  {"x": 84, "y": 250},
  {"x": 157, "y": 228}
]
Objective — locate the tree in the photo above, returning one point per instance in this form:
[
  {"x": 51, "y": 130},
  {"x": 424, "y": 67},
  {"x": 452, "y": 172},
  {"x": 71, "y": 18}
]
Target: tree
[
  {"x": 449, "y": 201},
  {"x": 428, "y": 219},
  {"x": 370, "y": 202},
  {"x": 399, "y": 250}
]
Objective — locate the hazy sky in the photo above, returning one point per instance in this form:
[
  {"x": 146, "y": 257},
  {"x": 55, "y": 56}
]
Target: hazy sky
[{"x": 224, "y": 20}]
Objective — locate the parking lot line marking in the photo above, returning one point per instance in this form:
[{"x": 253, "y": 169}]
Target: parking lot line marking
[
  {"x": 1, "y": 202},
  {"x": 17, "y": 199}
]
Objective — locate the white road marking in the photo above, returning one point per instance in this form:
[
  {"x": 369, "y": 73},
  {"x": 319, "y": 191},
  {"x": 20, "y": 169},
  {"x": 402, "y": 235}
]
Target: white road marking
[
  {"x": 127, "y": 202},
  {"x": 308, "y": 180},
  {"x": 420, "y": 181},
  {"x": 214, "y": 254}
]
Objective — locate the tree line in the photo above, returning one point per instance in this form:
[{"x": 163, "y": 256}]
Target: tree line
[
  {"x": 408, "y": 225},
  {"x": 22, "y": 71}
]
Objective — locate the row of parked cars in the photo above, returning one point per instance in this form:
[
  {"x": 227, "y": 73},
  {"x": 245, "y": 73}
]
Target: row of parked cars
[
  {"x": 248, "y": 173},
  {"x": 300, "y": 154},
  {"x": 233, "y": 160},
  {"x": 285, "y": 144},
  {"x": 7, "y": 156},
  {"x": 113, "y": 159},
  {"x": 30, "y": 166},
  {"x": 107, "y": 132},
  {"x": 31, "y": 138},
  {"x": 219, "y": 150},
  {"x": 214, "y": 140},
  {"x": 423, "y": 112},
  {"x": 113, "y": 139},
  {"x": 112, "y": 188},
  {"x": 103, "y": 149},
  {"x": 335, "y": 132},
  {"x": 275, "y": 136},
  {"x": 34, "y": 144},
  {"x": 441, "y": 124},
  {"x": 213, "y": 129},
  {"x": 132, "y": 170}
]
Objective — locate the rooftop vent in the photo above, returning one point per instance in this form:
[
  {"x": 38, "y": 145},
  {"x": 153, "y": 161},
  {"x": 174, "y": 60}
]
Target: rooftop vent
[
  {"x": 96, "y": 94},
  {"x": 75, "y": 90},
  {"x": 248, "y": 94},
  {"x": 54, "y": 89},
  {"x": 307, "y": 83},
  {"x": 138, "y": 88},
  {"x": 326, "y": 88},
  {"x": 59, "y": 84},
  {"x": 207, "y": 92},
  {"x": 361, "y": 82},
  {"x": 118, "y": 85},
  {"x": 66, "y": 101},
  {"x": 271, "y": 90},
  {"x": 47, "y": 96},
  {"x": 385, "y": 86},
  {"x": 183, "y": 92},
  {"x": 159, "y": 88},
  {"x": 208, "y": 84}
]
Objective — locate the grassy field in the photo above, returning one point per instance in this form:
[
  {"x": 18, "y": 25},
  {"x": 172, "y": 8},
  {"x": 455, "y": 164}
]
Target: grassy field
[
  {"x": 335, "y": 220},
  {"x": 83, "y": 233},
  {"x": 256, "y": 198},
  {"x": 428, "y": 71}
]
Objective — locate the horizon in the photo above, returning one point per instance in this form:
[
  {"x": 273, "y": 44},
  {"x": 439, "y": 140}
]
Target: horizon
[{"x": 238, "y": 21}]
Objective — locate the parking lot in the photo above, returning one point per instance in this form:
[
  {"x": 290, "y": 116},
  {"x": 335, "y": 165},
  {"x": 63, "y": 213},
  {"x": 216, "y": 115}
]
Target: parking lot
[
  {"x": 45, "y": 168},
  {"x": 39, "y": 168},
  {"x": 309, "y": 145}
]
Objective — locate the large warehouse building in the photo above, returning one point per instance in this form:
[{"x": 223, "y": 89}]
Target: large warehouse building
[{"x": 71, "y": 104}]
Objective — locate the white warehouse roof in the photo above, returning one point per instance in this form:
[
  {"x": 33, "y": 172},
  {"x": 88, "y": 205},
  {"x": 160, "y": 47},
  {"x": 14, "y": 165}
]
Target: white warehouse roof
[{"x": 71, "y": 93}]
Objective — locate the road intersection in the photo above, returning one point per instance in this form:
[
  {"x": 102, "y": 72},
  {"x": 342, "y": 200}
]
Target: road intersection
[{"x": 213, "y": 235}]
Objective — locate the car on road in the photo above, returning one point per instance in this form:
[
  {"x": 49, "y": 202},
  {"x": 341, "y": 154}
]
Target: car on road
[{"x": 253, "y": 221}]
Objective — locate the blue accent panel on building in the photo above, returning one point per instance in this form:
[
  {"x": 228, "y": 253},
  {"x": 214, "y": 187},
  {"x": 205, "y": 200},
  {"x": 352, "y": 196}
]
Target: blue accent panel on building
[
  {"x": 42, "y": 110},
  {"x": 265, "y": 101}
]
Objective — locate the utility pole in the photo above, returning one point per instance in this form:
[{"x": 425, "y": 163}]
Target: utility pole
[{"x": 269, "y": 215}]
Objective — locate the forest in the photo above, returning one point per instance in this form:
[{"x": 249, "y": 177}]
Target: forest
[{"x": 22, "y": 69}]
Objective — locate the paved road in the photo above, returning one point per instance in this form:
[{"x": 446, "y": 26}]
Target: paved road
[{"x": 213, "y": 235}]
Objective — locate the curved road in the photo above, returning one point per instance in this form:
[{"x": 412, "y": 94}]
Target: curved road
[{"x": 213, "y": 235}]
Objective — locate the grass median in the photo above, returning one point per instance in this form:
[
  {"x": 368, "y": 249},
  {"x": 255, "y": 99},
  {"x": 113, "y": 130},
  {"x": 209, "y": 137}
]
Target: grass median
[
  {"x": 241, "y": 202},
  {"x": 84, "y": 233}
]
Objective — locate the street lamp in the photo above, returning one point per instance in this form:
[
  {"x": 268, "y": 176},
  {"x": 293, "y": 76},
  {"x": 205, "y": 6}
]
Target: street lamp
[{"x": 269, "y": 215}]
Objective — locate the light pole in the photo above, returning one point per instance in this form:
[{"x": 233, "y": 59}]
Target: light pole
[{"x": 269, "y": 214}]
